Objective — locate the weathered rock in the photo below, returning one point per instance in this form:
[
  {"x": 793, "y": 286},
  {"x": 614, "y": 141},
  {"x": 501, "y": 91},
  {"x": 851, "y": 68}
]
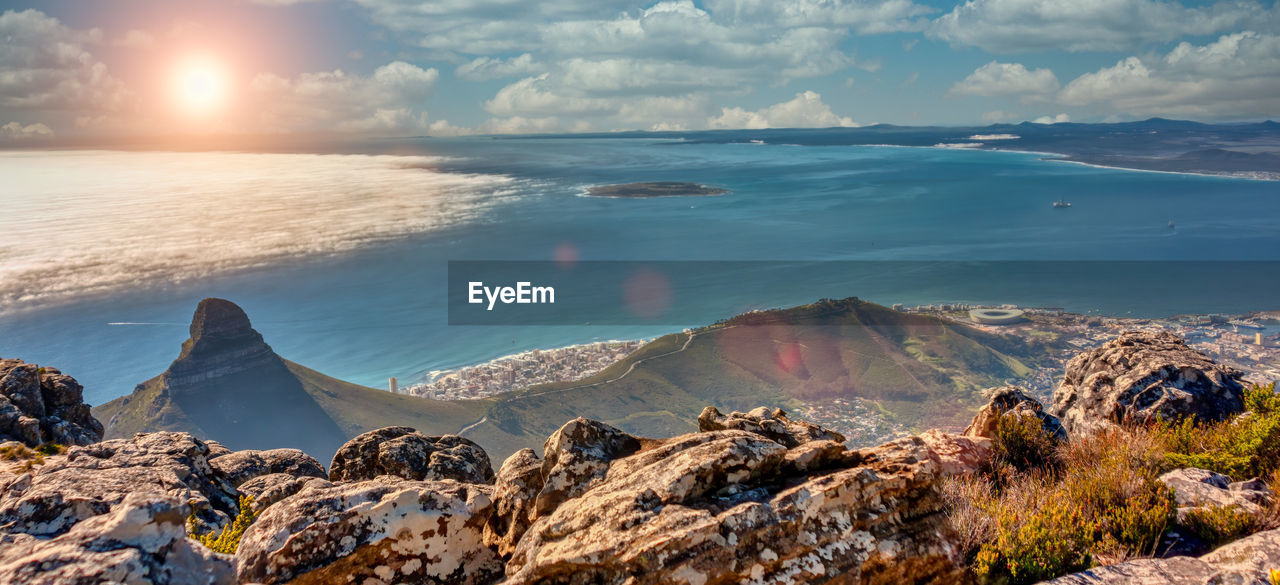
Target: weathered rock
[
  {"x": 217, "y": 450},
  {"x": 733, "y": 506},
  {"x": 1144, "y": 376},
  {"x": 406, "y": 453},
  {"x": 575, "y": 457},
  {"x": 241, "y": 466},
  {"x": 1011, "y": 400},
  {"x": 515, "y": 491},
  {"x": 222, "y": 343},
  {"x": 1247, "y": 561},
  {"x": 90, "y": 480},
  {"x": 768, "y": 422},
  {"x": 273, "y": 487},
  {"x": 39, "y": 405},
  {"x": 386, "y": 530},
  {"x": 140, "y": 541},
  {"x": 1200, "y": 487}
]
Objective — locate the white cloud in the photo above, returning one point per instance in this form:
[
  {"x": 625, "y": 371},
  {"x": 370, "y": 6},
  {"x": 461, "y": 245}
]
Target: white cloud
[
  {"x": 46, "y": 66},
  {"x": 485, "y": 68},
  {"x": 16, "y": 131},
  {"x": 863, "y": 17},
  {"x": 994, "y": 79},
  {"x": 390, "y": 99},
  {"x": 1058, "y": 119},
  {"x": 1234, "y": 77},
  {"x": 1087, "y": 25},
  {"x": 805, "y": 111}
]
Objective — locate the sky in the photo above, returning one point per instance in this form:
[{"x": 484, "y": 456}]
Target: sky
[{"x": 93, "y": 68}]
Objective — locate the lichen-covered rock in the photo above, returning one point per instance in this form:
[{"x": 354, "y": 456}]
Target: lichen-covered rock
[
  {"x": 1011, "y": 400},
  {"x": 140, "y": 541},
  {"x": 1141, "y": 377},
  {"x": 90, "y": 480},
  {"x": 575, "y": 457},
  {"x": 43, "y": 405},
  {"x": 273, "y": 487},
  {"x": 1247, "y": 561},
  {"x": 386, "y": 530},
  {"x": 241, "y": 466},
  {"x": 406, "y": 453},
  {"x": 514, "y": 493},
  {"x": 732, "y": 506},
  {"x": 769, "y": 422}
]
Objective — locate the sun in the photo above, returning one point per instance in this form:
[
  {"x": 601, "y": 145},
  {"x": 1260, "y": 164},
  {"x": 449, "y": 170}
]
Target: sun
[{"x": 200, "y": 86}]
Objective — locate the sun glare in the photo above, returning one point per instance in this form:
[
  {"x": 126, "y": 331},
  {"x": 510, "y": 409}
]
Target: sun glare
[{"x": 200, "y": 86}]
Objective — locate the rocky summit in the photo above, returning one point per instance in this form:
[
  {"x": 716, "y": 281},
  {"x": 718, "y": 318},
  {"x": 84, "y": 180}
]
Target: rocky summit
[
  {"x": 42, "y": 405},
  {"x": 1143, "y": 376}
]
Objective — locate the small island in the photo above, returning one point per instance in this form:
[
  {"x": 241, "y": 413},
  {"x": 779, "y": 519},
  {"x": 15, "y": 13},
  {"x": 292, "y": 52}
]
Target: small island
[{"x": 655, "y": 189}]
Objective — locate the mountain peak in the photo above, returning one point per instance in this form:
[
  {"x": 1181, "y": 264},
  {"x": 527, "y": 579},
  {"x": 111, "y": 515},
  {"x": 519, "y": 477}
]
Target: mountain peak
[
  {"x": 222, "y": 342},
  {"x": 219, "y": 318}
]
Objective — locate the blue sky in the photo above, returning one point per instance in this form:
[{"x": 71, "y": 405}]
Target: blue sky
[{"x": 399, "y": 67}]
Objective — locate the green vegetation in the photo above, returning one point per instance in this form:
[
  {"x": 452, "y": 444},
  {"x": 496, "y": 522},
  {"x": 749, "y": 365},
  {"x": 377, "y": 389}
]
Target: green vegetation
[
  {"x": 1248, "y": 446},
  {"x": 1218, "y": 525},
  {"x": 1044, "y": 509},
  {"x": 227, "y": 540}
]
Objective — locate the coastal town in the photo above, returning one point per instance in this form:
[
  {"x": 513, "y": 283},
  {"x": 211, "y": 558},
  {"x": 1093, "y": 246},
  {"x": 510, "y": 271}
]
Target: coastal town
[
  {"x": 522, "y": 370},
  {"x": 1249, "y": 343}
]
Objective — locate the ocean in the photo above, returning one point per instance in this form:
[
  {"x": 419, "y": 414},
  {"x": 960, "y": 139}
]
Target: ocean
[{"x": 341, "y": 259}]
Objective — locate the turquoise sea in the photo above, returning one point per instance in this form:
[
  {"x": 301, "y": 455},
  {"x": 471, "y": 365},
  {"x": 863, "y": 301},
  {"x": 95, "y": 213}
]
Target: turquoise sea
[{"x": 340, "y": 257}]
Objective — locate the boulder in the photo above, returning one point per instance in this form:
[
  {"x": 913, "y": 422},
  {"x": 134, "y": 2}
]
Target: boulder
[
  {"x": 1195, "y": 488},
  {"x": 1012, "y": 400},
  {"x": 140, "y": 541},
  {"x": 385, "y": 530},
  {"x": 241, "y": 466},
  {"x": 575, "y": 457},
  {"x": 43, "y": 405},
  {"x": 1245, "y": 561},
  {"x": 514, "y": 493},
  {"x": 273, "y": 487},
  {"x": 406, "y": 453},
  {"x": 90, "y": 480},
  {"x": 1144, "y": 376},
  {"x": 772, "y": 423},
  {"x": 728, "y": 506}
]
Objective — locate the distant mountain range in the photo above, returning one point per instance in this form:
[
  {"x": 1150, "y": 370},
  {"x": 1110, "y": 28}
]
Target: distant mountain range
[
  {"x": 228, "y": 385},
  {"x": 1158, "y": 144}
]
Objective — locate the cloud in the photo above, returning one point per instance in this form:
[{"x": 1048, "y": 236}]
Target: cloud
[
  {"x": 485, "y": 68},
  {"x": 391, "y": 99},
  {"x": 619, "y": 63},
  {"x": 519, "y": 125},
  {"x": 16, "y": 131},
  {"x": 46, "y": 66},
  {"x": 1006, "y": 26},
  {"x": 805, "y": 111},
  {"x": 1013, "y": 79},
  {"x": 1058, "y": 119},
  {"x": 1235, "y": 77}
]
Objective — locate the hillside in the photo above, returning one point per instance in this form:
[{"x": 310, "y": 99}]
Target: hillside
[
  {"x": 920, "y": 370},
  {"x": 228, "y": 385}
]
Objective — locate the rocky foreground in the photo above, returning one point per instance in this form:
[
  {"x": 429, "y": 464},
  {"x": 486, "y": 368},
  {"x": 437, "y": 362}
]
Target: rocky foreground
[{"x": 753, "y": 497}]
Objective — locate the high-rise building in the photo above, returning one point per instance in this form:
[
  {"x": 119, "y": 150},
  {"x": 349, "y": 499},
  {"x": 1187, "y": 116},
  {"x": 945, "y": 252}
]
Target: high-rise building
[{"x": 394, "y": 384}]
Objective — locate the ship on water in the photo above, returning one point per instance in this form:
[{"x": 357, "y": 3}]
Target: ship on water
[{"x": 1061, "y": 204}]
